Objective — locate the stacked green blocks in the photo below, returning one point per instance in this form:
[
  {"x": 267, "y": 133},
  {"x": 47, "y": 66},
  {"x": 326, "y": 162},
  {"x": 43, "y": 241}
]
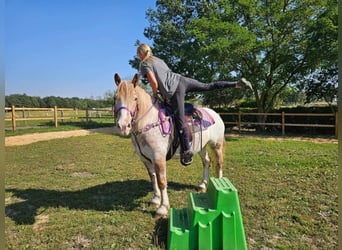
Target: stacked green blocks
[{"x": 212, "y": 220}]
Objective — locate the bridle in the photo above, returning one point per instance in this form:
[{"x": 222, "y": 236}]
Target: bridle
[
  {"x": 132, "y": 113},
  {"x": 135, "y": 112},
  {"x": 134, "y": 120}
]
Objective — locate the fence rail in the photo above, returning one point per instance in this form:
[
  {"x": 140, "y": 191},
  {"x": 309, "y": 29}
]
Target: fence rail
[
  {"x": 54, "y": 114},
  {"x": 19, "y": 114},
  {"x": 239, "y": 123}
]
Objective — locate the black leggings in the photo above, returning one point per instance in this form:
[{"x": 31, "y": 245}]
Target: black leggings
[{"x": 187, "y": 85}]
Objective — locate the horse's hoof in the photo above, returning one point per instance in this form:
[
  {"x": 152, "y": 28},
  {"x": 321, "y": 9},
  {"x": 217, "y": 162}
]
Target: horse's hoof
[
  {"x": 160, "y": 216},
  {"x": 161, "y": 212},
  {"x": 155, "y": 202},
  {"x": 154, "y": 205},
  {"x": 202, "y": 188}
]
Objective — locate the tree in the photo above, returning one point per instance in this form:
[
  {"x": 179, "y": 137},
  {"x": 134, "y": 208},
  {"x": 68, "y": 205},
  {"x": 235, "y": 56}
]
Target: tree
[
  {"x": 291, "y": 96},
  {"x": 322, "y": 82},
  {"x": 50, "y": 101},
  {"x": 108, "y": 98},
  {"x": 322, "y": 85},
  {"x": 272, "y": 43},
  {"x": 23, "y": 100}
]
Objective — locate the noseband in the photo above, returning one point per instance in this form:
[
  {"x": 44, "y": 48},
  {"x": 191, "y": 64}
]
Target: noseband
[
  {"x": 133, "y": 114},
  {"x": 116, "y": 111}
]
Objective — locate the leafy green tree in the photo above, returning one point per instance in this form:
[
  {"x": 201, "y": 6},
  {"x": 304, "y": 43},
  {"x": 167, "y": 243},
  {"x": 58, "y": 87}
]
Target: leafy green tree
[
  {"x": 322, "y": 85},
  {"x": 272, "y": 43},
  {"x": 50, "y": 101},
  {"x": 108, "y": 98},
  {"x": 42, "y": 103},
  {"x": 23, "y": 100},
  {"x": 291, "y": 96},
  {"x": 19, "y": 100}
]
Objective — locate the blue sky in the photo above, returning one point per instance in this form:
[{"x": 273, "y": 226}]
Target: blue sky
[{"x": 71, "y": 48}]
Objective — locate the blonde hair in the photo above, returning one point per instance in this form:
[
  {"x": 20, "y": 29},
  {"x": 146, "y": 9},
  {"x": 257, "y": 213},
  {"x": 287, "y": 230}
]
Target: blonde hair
[{"x": 147, "y": 52}]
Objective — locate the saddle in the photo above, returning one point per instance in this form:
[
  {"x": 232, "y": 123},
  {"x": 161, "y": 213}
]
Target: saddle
[{"x": 196, "y": 120}]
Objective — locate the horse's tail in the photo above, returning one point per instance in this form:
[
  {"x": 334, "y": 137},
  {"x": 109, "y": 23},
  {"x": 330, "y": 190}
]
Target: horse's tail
[{"x": 224, "y": 149}]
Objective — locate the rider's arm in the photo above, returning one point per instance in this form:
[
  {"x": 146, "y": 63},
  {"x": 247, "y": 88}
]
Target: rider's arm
[{"x": 153, "y": 81}]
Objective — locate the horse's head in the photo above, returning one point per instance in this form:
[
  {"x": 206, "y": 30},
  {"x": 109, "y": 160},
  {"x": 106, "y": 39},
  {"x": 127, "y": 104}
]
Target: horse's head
[{"x": 125, "y": 103}]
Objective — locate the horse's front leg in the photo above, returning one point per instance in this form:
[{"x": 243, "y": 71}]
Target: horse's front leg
[
  {"x": 160, "y": 166},
  {"x": 155, "y": 201}
]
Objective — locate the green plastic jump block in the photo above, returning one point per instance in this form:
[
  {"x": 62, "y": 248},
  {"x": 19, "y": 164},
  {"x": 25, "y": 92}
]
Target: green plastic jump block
[
  {"x": 178, "y": 229},
  {"x": 212, "y": 220}
]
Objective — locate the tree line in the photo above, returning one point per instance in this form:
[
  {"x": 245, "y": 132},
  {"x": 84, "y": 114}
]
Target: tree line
[{"x": 23, "y": 100}]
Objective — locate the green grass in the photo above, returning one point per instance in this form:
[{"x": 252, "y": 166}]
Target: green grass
[{"x": 92, "y": 192}]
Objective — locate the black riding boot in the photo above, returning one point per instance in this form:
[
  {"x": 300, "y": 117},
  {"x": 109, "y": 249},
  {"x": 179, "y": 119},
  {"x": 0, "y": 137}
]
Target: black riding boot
[{"x": 186, "y": 154}]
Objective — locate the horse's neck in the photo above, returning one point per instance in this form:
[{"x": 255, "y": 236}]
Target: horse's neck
[{"x": 148, "y": 112}]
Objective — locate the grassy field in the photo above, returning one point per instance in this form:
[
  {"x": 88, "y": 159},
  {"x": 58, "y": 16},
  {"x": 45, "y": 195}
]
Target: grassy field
[{"x": 92, "y": 192}]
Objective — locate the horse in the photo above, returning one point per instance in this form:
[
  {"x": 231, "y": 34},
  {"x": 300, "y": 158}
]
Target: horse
[{"x": 137, "y": 114}]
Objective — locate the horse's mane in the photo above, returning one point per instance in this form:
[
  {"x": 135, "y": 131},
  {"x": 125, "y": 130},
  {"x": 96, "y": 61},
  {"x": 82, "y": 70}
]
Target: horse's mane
[{"x": 126, "y": 88}]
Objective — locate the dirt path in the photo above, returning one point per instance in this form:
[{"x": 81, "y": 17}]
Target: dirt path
[
  {"x": 287, "y": 138},
  {"x": 31, "y": 138}
]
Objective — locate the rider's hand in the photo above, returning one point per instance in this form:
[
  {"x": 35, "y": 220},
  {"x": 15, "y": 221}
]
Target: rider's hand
[{"x": 156, "y": 96}]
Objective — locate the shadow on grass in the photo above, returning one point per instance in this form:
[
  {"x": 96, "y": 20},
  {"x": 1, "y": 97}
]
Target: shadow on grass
[
  {"x": 180, "y": 186},
  {"x": 160, "y": 233},
  {"x": 109, "y": 196},
  {"x": 117, "y": 195},
  {"x": 88, "y": 125}
]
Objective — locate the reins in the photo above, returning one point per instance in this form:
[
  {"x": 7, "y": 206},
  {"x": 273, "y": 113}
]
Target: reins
[
  {"x": 141, "y": 117},
  {"x": 144, "y": 129}
]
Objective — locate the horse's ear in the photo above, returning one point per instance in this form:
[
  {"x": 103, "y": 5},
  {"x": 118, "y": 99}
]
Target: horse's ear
[
  {"x": 117, "y": 79},
  {"x": 135, "y": 80}
]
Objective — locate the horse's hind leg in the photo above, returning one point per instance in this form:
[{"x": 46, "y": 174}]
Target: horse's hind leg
[
  {"x": 206, "y": 164},
  {"x": 218, "y": 149}
]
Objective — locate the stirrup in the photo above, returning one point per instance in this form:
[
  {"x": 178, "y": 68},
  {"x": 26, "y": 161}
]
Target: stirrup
[{"x": 186, "y": 158}]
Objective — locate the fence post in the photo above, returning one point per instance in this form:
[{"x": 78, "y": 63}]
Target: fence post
[
  {"x": 239, "y": 121},
  {"x": 336, "y": 124},
  {"x": 24, "y": 116},
  {"x": 55, "y": 116},
  {"x": 62, "y": 115},
  {"x": 14, "y": 125},
  {"x": 283, "y": 123},
  {"x": 87, "y": 115}
]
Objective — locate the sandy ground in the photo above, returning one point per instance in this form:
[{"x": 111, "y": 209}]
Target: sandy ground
[
  {"x": 31, "y": 138},
  {"x": 36, "y": 137}
]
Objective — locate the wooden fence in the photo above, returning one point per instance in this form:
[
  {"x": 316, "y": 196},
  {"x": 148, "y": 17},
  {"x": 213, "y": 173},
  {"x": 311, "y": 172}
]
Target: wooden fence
[
  {"x": 55, "y": 114},
  {"x": 19, "y": 114},
  {"x": 282, "y": 120}
]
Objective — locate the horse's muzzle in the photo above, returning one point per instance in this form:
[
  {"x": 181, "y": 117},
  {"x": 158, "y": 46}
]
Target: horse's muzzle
[{"x": 125, "y": 129}]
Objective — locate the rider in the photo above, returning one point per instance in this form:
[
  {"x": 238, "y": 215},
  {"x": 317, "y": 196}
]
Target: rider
[{"x": 174, "y": 87}]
